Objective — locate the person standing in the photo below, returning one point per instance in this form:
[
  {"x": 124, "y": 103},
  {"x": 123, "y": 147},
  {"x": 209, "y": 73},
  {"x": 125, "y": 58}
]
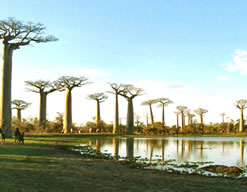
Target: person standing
[{"x": 17, "y": 135}]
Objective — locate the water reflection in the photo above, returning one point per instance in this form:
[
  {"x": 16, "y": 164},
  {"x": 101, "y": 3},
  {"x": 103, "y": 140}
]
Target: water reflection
[
  {"x": 224, "y": 151},
  {"x": 241, "y": 152},
  {"x": 115, "y": 144},
  {"x": 130, "y": 148}
]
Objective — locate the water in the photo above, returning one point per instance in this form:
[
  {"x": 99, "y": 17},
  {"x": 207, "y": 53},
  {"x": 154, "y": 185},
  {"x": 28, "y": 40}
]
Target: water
[{"x": 229, "y": 151}]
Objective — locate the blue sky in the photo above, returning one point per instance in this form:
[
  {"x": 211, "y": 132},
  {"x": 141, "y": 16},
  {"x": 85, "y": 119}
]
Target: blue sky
[{"x": 183, "y": 46}]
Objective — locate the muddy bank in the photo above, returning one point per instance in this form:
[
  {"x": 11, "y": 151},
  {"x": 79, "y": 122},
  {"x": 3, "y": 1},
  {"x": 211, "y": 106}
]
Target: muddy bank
[{"x": 106, "y": 174}]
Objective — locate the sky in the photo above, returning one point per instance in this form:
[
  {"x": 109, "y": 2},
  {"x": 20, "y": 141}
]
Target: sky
[{"x": 192, "y": 52}]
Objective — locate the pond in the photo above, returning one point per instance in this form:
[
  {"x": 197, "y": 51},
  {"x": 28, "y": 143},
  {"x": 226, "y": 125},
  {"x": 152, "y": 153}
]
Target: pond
[{"x": 175, "y": 152}]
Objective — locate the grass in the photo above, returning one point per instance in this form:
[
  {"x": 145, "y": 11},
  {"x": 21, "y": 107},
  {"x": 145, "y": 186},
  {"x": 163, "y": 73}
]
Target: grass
[{"x": 44, "y": 163}]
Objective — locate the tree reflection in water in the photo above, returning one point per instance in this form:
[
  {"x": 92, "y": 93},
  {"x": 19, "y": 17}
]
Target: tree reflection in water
[{"x": 224, "y": 151}]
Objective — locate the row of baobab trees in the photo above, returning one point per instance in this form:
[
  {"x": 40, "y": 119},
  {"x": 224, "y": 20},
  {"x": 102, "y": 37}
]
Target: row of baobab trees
[
  {"x": 68, "y": 83},
  {"x": 183, "y": 111},
  {"x": 15, "y": 34},
  {"x": 129, "y": 92}
]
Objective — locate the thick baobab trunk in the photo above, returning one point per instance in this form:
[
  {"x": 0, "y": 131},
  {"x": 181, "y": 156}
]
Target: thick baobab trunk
[
  {"x": 130, "y": 118},
  {"x": 5, "y": 103},
  {"x": 18, "y": 114},
  {"x": 151, "y": 114},
  {"x": 42, "y": 110},
  {"x": 201, "y": 118},
  {"x": 182, "y": 119},
  {"x": 177, "y": 121},
  {"x": 97, "y": 113},
  {"x": 116, "y": 120},
  {"x": 67, "y": 126},
  {"x": 163, "y": 115},
  {"x": 241, "y": 121}
]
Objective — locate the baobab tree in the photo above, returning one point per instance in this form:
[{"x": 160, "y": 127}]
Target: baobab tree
[
  {"x": 163, "y": 102},
  {"x": 201, "y": 112},
  {"x": 116, "y": 90},
  {"x": 149, "y": 103},
  {"x": 177, "y": 115},
  {"x": 137, "y": 118},
  {"x": 68, "y": 83},
  {"x": 43, "y": 88},
  {"x": 187, "y": 113},
  {"x": 14, "y": 34},
  {"x": 182, "y": 110},
  {"x": 20, "y": 105},
  {"x": 99, "y": 98},
  {"x": 223, "y": 117},
  {"x": 129, "y": 93},
  {"x": 146, "y": 116},
  {"x": 191, "y": 118},
  {"x": 241, "y": 104}
]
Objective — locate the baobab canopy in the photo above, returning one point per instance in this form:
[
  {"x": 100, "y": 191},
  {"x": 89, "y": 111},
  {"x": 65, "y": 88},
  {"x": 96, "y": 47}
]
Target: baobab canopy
[{"x": 16, "y": 33}]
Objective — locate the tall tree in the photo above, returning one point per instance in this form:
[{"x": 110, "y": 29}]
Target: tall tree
[
  {"x": 20, "y": 105},
  {"x": 137, "y": 118},
  {"x": 14, "y": 34},
  {"x": 177, "y": 116},
  {"x": 68, "y": 83},
  {"x": 187, "y": 113},
  {"x": 146, "y": 119},
  {"x": 201, "y": 112},
  {"x": 163, "y": 102},
  {"x": 182, "y": 109},
  {"x": 116, "y": 90},
  {"x": 191, "y": 118},
  {"x": 99, "y": 98},
  {"x": 241, "y": 104},
  {"x": 223, "y": 117},
  {"x": 149, "y": 103},
  {"x": 129, "y": 93},
  {"x": 59, "y": 119},
  {"x": 43, "y": 88}
]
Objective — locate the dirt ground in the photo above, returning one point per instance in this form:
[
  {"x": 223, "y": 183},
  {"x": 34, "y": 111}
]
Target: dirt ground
[{"x": 108, "y": 175}]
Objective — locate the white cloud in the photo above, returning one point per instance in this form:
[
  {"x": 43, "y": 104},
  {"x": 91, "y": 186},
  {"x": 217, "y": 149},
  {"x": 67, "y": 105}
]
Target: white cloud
[
  {"x": 239, "y": 62},
  {"x": 223, "y": 78}
]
